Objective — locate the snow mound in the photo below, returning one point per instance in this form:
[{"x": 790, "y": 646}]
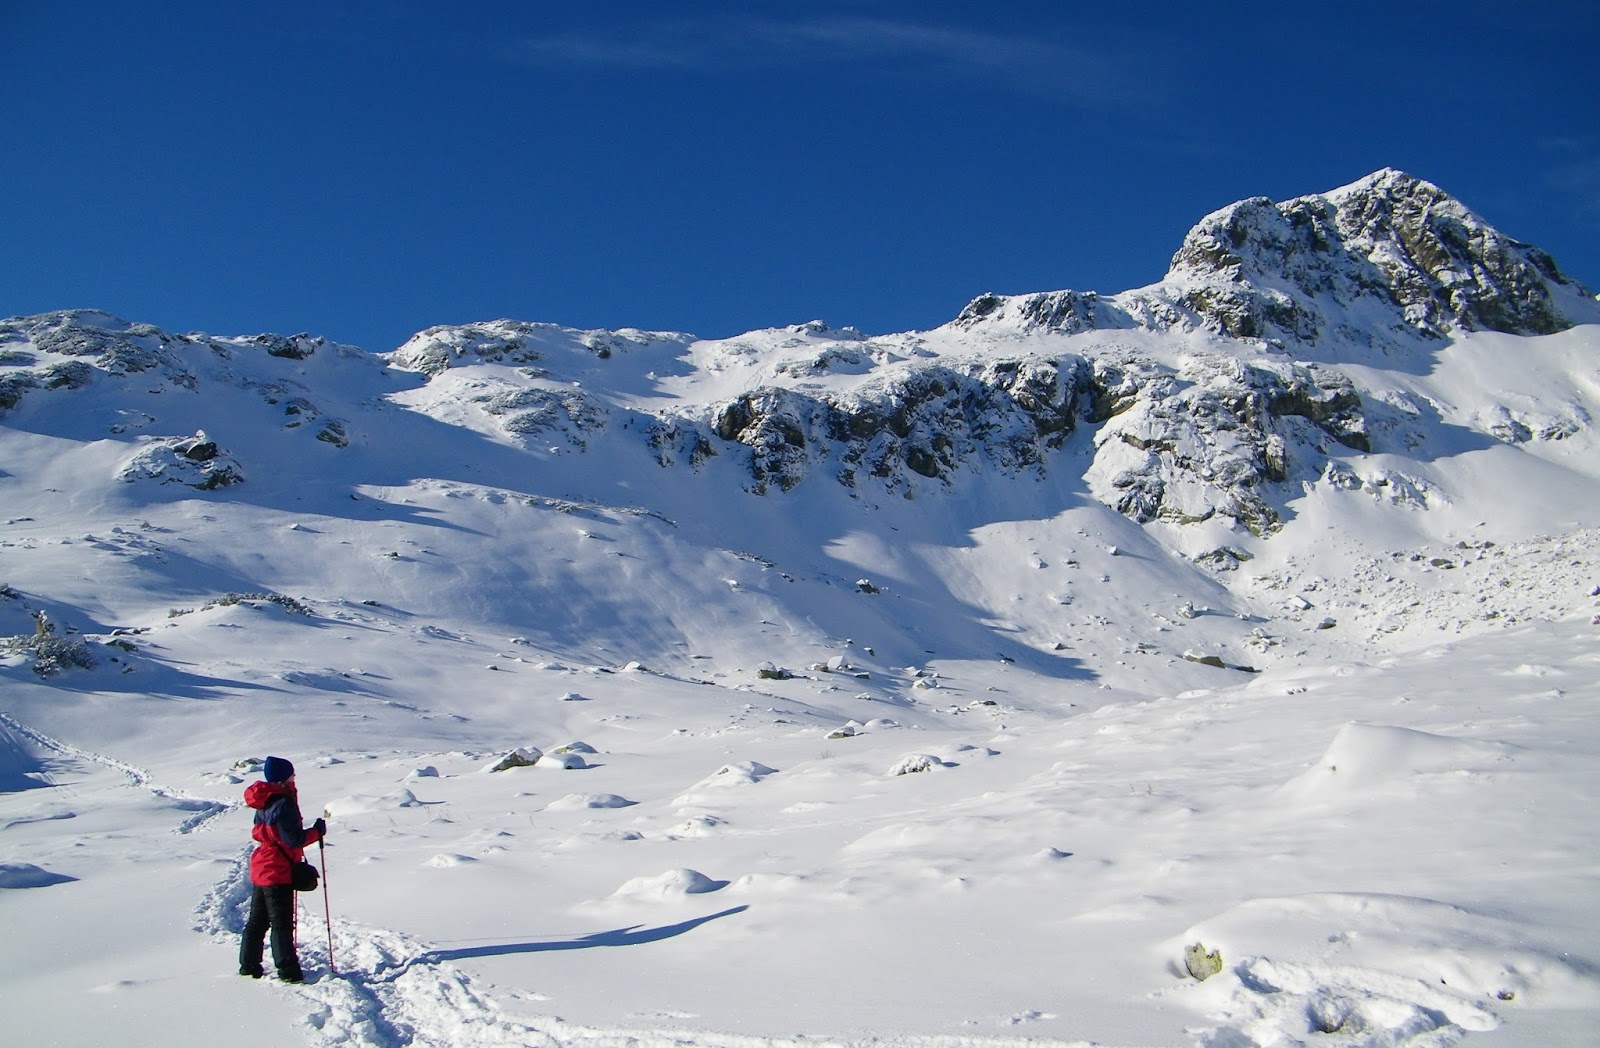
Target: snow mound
[
  {"x": 669, "y": 885},
  {"x": 448, "y": 860},
  {"x": 360, "y": 804},
  {"x": 561, "y": 761},
  {"x": 741, "y": 773},
  {"x": 737, "y": 773},
  {"x": 1383, "y": 758},
  {"x": 698, "y": 826},
  {"x": 772, "y": 884},
  {"x": 579, "y": 801}
]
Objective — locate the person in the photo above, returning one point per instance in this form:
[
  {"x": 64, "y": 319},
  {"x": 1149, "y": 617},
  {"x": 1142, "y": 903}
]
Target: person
[{"x": 280, "y": 843}]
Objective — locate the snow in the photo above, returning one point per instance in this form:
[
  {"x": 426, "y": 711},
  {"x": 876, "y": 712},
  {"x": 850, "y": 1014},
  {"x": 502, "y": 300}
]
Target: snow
[{"x": 983, "y": 801}]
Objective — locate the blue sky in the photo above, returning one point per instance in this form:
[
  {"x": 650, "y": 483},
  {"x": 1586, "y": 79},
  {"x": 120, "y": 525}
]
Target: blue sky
[{"x": 366, "y": 170}]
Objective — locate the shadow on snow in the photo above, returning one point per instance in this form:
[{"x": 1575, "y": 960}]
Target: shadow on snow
[{"x": 633, "y": 935}]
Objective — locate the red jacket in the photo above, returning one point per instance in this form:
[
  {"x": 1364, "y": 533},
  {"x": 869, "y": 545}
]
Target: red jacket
[{"x": 278, "y": 830}]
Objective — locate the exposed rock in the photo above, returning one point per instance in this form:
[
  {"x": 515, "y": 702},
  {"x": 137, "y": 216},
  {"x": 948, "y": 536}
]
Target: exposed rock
[
  {"x": 516, "y": 342},
  {"x": 538, "y": 411},
  {"x": 13, "y": 386},
  {"x": 1199, "y": 963},
  {"x": 290, "y": 347},
  {"x": 193, "y": 461},
  {"x": 926, "y": 422},
  {"x": 521, "y": 757}
]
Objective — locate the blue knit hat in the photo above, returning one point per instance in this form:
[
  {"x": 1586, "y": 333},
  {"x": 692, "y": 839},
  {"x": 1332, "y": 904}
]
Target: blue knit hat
[{"x": 276, "y": 769}]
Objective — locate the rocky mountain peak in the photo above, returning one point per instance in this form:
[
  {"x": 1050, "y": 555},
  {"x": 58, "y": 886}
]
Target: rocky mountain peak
[
  {"x": 1258, "y": 268},
  {"x": 1378, "y": 263}
]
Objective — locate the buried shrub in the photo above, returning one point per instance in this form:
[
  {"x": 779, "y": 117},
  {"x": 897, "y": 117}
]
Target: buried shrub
[{"x": 51, "y": 654}]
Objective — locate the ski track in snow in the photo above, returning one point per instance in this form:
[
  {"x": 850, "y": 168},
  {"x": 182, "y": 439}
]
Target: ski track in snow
[
  {"x": 202, "y": 809},
  {"x": 391, "y": 991}
]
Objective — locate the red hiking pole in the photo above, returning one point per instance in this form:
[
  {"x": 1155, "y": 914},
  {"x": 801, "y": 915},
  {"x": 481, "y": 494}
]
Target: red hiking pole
[{"x": 327, "y": 908}]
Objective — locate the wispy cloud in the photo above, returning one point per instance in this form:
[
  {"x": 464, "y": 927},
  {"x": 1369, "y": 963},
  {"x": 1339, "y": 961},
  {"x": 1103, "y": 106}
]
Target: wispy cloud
[{"x": 1065, "y": 72}]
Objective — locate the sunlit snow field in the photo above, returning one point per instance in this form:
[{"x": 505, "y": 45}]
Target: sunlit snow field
[{"x": 983, "y": 799}]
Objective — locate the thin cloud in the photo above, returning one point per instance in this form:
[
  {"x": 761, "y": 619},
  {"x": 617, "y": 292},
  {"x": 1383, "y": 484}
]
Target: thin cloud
[{"x": 1062, "y": 72}]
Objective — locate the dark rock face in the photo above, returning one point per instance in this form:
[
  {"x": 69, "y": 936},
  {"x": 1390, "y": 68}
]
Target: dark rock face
[
  {"x": 437, "y": 349},
  {"x": 290, "y": 347},
  {"x": 1223, "y": 430},
  {"x": 1447, "y": 267},
  {"x": 1065, "y": 312},
  {"x": 1210, "y": 439},
  {"x": 929, "y": 422}
]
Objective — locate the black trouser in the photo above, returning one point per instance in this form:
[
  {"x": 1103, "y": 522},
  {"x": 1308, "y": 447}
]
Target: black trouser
[{"x": 272, "y": 907}]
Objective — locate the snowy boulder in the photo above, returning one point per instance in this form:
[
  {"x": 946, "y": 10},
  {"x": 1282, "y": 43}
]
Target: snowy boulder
[
  {"x": 771, "y": 671},
  {"x": 914, "y": 763},
  {"x": 669, "y": 885},
  {"x": 1205, "y": 659},
  {"x": 844, "y": 731},
  {"x": 575, "y": 747},
  {"x": 1223, "y": 558},
  {"x": 191, "y": 461},
  {"x": 427, "y": 771},
  {"x": 521, "y": 757},
  {"x": 561, "y": 761},
  {"x": 361, "y": 803},
  {"x": 1368, "y": 760}
]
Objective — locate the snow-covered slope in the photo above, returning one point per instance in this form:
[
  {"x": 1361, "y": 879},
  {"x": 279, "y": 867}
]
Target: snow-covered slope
[{"x": 1253, "y": 606}]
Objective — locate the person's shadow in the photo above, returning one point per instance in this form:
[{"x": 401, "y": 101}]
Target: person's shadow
[{"x": 633, "y": 935}]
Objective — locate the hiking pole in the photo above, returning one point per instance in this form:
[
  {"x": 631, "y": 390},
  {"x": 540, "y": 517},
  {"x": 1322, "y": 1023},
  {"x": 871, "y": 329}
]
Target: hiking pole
[{"x": 327, "y": 908}]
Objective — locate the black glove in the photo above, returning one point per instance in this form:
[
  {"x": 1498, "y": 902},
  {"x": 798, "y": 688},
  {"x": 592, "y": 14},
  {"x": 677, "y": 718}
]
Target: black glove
[{"x": 321, "y": 826}]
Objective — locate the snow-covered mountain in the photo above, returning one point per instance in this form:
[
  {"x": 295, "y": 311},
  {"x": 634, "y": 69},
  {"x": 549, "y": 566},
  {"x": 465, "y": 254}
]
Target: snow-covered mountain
[{"x": 1341, "y": 431}]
